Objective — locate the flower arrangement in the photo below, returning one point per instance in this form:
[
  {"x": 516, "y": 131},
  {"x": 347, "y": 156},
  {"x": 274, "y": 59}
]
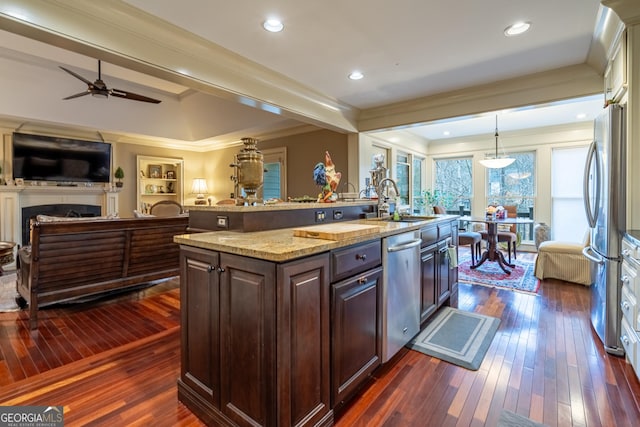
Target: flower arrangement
[{"x": 496, "y": 212}]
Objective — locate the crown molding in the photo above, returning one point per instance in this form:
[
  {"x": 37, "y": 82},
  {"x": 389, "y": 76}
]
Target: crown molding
[
  {"x": 14, "y": 124},
  {"x": 627, "y": 10},
  {"x": 562, "y": 83}
]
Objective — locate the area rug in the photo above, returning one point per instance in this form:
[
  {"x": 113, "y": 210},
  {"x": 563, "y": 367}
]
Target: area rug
[
  {"x": 457, "y": 336},
  {"x": 8, "y": 293},
  {"x": 490, "y": 274},
  {"x": 510, "y": 419}
]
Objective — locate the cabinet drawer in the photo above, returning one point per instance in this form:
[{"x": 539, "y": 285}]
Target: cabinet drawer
[
  {"x": 629, "y": 341},
  {"x": 629, "y": 278},
  {"x": 355, "y": 259},
  {"x": 628, "y": 304},
  {"x": 429, "y": 235},
  {"x": 444, "y": 230},
  {"x": 630, "y": 250}
]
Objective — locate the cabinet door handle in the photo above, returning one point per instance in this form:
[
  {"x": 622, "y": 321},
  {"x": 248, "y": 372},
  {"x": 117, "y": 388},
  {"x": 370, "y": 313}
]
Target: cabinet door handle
[
  {"x": 625, "y": 305},
  {"x": 210, "y": 268},
  {"x": 625, "y": 279},
  {"x": 362, "y": 280},
  {"x": 362, "y": 257},
  {"x": 625, "y": 339},
  {"x": 220, "y": 270}
]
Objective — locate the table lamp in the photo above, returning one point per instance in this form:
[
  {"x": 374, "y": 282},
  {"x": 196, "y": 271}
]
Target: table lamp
[{"x": 199, "y": 188}]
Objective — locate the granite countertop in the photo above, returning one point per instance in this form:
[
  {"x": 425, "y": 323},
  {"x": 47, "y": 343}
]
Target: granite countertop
[{"x": 281, "y": 245}]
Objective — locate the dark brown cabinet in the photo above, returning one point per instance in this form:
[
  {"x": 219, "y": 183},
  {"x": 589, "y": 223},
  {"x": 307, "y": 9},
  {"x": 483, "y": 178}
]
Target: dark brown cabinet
[
  {"x": 247, "y": 339},
  {"x": 428, "y": 278},
  {"x": 439, "y": 281},
  {"x": 442, "y": 279},
  {"x": 304, "y": 347},
  {"x": 355, "y": 332},
  {"x": 453, "y": 271},
  {"x": 285, "y": 343},
  {"x": 356, "y": 317},
  {"x": 200, "y": 291},
  {"x": 255, "y": 339}
]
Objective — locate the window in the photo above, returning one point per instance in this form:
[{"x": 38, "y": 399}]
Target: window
[
  {"x": 515, "y": 185},
  {"x": 417, "y": 179},
  {"x": 454, "y": 182},
  {"x": 275, "y": 176},
  {"x": 410, "y": 178},
  {"x": 402, "y": 177},
  {"x": 568, "y": 218}
]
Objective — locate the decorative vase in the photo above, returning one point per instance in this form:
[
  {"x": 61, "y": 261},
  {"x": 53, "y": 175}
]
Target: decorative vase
[{"x": 541, "y": 233}]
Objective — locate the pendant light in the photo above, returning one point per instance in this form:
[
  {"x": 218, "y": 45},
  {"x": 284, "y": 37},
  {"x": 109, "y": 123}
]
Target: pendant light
[{"x": 497, "y": 162}]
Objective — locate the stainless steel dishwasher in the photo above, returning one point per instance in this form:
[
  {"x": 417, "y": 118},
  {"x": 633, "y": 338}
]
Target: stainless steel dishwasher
[{"x": 400, "y": 291}]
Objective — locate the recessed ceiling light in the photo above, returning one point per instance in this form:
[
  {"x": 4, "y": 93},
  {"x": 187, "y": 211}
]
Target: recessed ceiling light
[
  {"x": 273, "y": 25},
  {"x": 581, "y": 116},
  {"x": 356, "y": 75},
  {"x": 446, "y": 133},
  {"x": 517, "y": 28}
]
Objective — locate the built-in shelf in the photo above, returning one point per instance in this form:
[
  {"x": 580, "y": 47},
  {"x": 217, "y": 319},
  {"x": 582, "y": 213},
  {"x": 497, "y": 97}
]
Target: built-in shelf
[{"x": 159, "y": 178}]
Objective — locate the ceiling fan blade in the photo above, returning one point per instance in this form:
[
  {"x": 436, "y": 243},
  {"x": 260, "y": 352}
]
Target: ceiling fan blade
[
  {"x": 133, "y": 96},
  {"x": 77, "y": 95},
  {"x": 77, "y": 76}
]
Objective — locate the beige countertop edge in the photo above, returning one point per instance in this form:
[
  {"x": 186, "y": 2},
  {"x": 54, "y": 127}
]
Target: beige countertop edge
[{"x": 281, "y": 245}]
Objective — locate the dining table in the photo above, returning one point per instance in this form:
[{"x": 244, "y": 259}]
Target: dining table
[{"x": 492, "y": 253}]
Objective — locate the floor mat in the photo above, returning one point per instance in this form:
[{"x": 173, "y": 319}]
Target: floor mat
[{"x": 457, "y": 336}]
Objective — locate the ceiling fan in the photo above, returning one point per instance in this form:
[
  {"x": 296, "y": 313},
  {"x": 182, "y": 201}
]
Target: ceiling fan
[{"x": 99, "y": 89}]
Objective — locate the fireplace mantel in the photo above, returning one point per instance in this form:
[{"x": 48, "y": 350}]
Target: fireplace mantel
[
  {"x": 14, "y": 197},
  {"x": 55, "y": 189}
]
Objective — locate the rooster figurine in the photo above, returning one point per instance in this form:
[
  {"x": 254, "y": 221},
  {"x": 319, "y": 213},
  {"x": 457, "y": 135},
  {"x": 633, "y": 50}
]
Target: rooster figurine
[
  {"x": 319, "y": 175},
  {"x": 333, "y": 177}
]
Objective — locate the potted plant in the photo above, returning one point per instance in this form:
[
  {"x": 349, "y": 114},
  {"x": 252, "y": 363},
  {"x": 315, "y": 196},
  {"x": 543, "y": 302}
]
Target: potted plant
[{"x": 119, "y": 174}]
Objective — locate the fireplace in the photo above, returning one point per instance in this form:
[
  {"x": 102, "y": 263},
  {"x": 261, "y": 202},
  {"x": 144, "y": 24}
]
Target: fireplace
[{"x": 62, "y": 210}]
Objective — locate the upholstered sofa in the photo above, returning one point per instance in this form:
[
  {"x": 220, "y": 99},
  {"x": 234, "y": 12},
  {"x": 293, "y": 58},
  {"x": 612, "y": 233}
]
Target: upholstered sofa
[
  {"x": 68, "y": 259},
  {"x": 564, "y": 261}
]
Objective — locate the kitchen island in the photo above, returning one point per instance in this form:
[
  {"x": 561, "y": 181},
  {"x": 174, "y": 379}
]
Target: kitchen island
[{"x": 280, "y": 330}]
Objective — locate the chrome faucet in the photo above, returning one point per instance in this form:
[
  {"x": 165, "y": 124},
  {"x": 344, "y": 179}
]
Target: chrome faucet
[
  {"x": 383, "y": 206},
  {"x": 347, "y": 184}
]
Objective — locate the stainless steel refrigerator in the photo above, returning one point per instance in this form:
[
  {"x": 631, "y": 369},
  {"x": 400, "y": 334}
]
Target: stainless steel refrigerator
[{"x": 605, "y": 205}]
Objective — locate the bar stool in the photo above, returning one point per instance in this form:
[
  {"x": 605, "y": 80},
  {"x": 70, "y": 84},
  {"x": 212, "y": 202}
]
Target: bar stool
[{"x": 473, "y": 239}]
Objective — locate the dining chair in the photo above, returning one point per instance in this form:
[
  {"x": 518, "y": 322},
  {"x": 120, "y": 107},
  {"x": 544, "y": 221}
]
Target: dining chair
[
  {"x": 439, "y": 209},
  {"x": 166, "y": 208},
  {"x": 473, "y": 239},
  {"x": 507, "y": 233}
]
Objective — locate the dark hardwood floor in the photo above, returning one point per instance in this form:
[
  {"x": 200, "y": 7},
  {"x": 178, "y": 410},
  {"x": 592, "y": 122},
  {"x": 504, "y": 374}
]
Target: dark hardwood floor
[{"x": 115, "y": 362}]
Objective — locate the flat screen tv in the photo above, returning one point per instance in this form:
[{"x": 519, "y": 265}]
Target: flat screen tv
[{"x": 46, "y": 158}]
